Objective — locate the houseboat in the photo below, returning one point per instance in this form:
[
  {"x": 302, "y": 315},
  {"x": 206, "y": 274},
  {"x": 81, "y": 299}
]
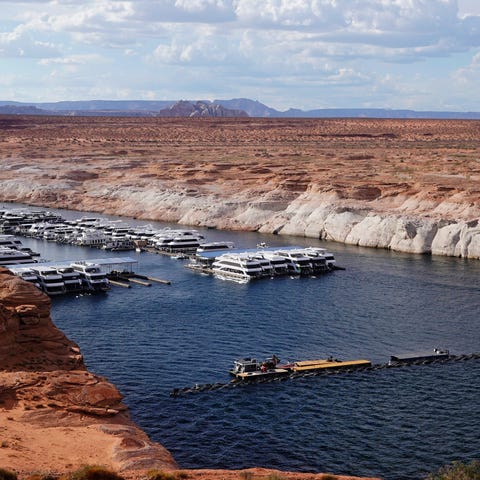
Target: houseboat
[
  {"x": 93, "y": 278},
  {"x": 50, "y": 280},
  {"x": 237, "y": 267}
]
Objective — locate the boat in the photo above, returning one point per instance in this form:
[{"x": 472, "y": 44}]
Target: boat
[
  {"x": 91, "y": 238},
  {"x": 237, "y": 267},
  {"x": 215, "y": 246},
  {"x": 10, "y": 241},
  {"x": 93, "y": 278},
  {"x": 428, "y": 356},
  {"x": 28, "y": 275},
  {"x": 250, "y": 369},
  {"x": 12, "y": 256},
  {"x": 177, "y": 240},
  {"x": 278, "y": 263},
  {"x": 329, "y": 258},
  {"x": 50, "y": 280},
  {"x": 183, "y": 243},
  {"x": 119, "y": 245},
  {"x": 267, "y": 268},
  {"x": 298, "y": 262},
  {"x": 71, "y": 279}
]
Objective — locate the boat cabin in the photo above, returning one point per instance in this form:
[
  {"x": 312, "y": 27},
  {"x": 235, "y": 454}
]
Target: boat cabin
[{"x": 250, "y": 367}]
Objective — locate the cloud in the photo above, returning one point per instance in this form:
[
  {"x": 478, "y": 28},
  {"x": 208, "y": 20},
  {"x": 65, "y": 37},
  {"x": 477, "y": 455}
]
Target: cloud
[
  {"x": 21, "y": 43},
  {"x": 73, "y": 60},
  {"x": 469, "y": 76}
]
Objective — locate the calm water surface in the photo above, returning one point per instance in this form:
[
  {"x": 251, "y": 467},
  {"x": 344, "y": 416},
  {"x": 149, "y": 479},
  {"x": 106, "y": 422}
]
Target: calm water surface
[{"x": 397, "y": 424}]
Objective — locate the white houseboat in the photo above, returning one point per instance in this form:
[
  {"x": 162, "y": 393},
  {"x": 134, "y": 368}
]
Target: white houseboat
[
  {"x": 237, "y": 267},
  {"x": 50, "y": 281},
  {"x": 93, "y": 278}
]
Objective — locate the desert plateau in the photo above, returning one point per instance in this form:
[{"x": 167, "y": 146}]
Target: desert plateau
[{"x": 404, "y": 185}]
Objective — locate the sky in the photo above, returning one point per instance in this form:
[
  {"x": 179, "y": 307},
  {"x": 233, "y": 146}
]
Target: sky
[{"x": 413, "y": 54}]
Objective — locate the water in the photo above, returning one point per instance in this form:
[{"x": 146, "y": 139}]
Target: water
[{"x": 397, "y": 423}]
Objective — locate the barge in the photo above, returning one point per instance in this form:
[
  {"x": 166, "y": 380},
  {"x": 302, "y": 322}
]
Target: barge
[
  {"x": 328, "y": 364},
  {"x": 429, "y": 356}
]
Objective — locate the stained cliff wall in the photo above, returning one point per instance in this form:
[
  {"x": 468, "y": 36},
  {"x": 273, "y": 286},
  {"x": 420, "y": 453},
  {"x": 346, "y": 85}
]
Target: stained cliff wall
[
  {"x": 54, "y": 414},
  {"x": 405, "y": 185}
]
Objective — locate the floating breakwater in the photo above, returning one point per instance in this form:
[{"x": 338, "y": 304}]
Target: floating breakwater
[{"x": 210, "y": 387}]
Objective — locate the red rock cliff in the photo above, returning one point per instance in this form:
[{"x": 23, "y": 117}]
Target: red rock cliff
[{"x": 54, "y": 414}]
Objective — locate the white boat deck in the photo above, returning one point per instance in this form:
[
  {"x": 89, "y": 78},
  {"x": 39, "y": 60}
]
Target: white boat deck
[{"x": 108, "y": 264}]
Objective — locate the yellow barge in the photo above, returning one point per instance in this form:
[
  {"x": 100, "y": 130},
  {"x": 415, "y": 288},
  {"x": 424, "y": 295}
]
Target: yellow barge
[{"x": 326, "y": 364}]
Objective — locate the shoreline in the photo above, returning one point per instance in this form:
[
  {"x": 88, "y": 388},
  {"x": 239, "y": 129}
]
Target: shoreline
[
  {"x": 326, "y": 221},
  {"x": 405, "y": 185}
]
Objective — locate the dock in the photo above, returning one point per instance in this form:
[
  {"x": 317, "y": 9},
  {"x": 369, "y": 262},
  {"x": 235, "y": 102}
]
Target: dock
[{"x": 118, "y": 270}]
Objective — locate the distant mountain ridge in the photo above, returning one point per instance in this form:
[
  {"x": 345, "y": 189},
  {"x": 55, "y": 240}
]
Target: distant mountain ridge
[{"x": 253, "y": 108}]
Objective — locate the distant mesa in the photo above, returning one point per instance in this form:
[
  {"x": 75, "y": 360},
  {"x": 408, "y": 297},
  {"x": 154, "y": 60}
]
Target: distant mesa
[
  {"x": 21, "y": 110},
  {"x": 236, "y": 107},
  {"x": 184, "y": 108}
]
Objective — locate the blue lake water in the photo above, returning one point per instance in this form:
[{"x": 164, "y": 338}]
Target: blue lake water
[{"x": 398, "y": 424}]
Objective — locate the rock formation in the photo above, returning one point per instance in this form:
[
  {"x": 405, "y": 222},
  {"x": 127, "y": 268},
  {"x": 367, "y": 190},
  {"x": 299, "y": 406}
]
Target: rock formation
[
  {"x": 184, "y": 108},
  {"x": 54, "y": 414},
  {"x": 405, "y": 185}
]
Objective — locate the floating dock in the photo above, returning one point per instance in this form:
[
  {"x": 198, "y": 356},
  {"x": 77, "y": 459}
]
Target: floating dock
[{"x": 118, "y": 270}]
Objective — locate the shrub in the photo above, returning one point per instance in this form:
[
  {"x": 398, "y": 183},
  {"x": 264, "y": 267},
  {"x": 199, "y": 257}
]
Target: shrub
[
  {"x": 245, "y": 475},
  {"x": 93, "y": 472},
  {"x": 458, "y": 471},
  {"x": 163, "y": 475},
  {"x": 42, "y": 476},
  {"x": 7, "y": 475}
]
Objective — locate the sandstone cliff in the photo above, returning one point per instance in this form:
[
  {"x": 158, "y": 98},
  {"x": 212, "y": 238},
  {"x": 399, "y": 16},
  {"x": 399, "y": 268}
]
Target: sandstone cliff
[
  {"x": 54, "y": 414},
  {"x": 405, "y": 185}
]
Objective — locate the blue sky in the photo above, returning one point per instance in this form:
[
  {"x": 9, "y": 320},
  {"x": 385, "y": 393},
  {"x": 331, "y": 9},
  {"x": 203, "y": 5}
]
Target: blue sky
[{"x": 418, "y": 54}]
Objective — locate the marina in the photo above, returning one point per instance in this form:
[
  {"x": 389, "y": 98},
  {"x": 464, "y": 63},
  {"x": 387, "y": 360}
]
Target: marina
[
  {"x": 219, "y": 258},
  {"x": 150, "y": 341}
]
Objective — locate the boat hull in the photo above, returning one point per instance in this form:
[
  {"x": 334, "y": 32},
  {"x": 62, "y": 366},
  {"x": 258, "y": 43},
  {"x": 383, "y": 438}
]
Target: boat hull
[{"x": 259, "y": 375}]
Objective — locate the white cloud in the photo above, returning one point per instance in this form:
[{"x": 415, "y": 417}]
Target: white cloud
[
  {"x": 21, "y": 43},
  {"x": 469, "y": 76},
  {"x": 73, "y": 60}
]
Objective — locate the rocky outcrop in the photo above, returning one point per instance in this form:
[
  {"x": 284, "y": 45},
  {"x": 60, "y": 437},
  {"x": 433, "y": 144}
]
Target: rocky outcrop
[
  {"x": 184, "y": 108},
  {"x": 28, "y": 339},
  {"x": 48, "y": 396}
]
